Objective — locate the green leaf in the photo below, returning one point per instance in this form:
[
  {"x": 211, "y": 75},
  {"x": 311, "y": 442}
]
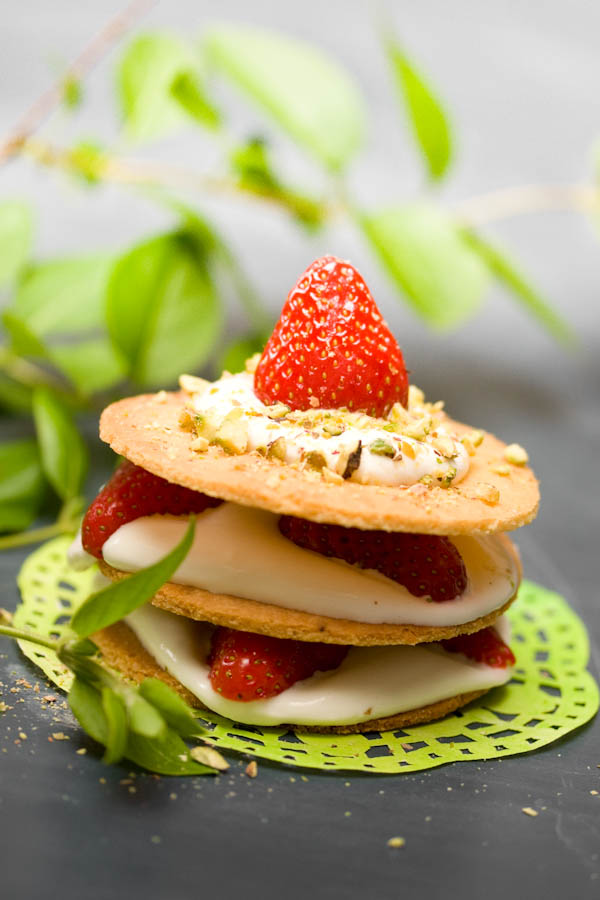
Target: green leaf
[
  {"x": 186, "y": 90},
  {"x": 63, "y": 452},
  {"x": 429, "y": 259},
  {"x": 308, "y": 94},
  {"x": 162, "y": 309},
  {"x": 144, "y": 719},
  {"x": 91, "y": 365},
  {"x": 116, "y": 726},
  {"x": 16, "y": 235},
  {"x": 429, "y": 122},
  {"x": 86, "y": 705},
  {"x": 64, "y": 296},
  {"x": 509, "y": 275},
  {"x": 120, "y": 598},
  {"x": 21, "y": 484},
  {"x": 238, "y": 351},
  {"x": 174, "y": 710},
  {"x": 150, "y": 67},
  {"x": 72, "y": 93},
  {"x": 14, "y": 396},
  {"x": 23, "y": 341}
]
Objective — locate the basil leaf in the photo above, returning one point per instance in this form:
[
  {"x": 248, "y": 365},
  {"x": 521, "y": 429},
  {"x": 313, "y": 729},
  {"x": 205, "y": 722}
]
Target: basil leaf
[
  {"x": 309, "y": 95},
  {"x": 14, "y": 396},
  {"x": 116, "y": 726},
  {"x": 63, "y": 295},
  {"x": 119, "y": 599},
  {"x": 144, "y": 719},
  {"x": 162, "y": 309},
  {"x": 508, "y": 274},
  {"x": 174, "y": 710},
  {"x": 91, "y": 365},
  {"x": 430, "y": 260},
  {"x": 145, "y": 78},
  {"x": 23, "y": 341},
  {"x": 429, "y": 122},
  {"x": 86, "y": 705},
  {"x": 21, "y": 485},
  {"x": 63, "y": 452},
  {"x": 186, "y": 90},
  {"x": 16, "y": 235},
  {"x": 166, "y": 755}
]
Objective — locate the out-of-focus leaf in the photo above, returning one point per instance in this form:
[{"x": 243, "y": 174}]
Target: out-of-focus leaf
[
  {"x": 14, "y": 396},
  {"x": 88, "y": 161},
  {"x": 150, "y": 68},
  {"x": 429, "y": 259},
  {"x": 509, "y": 275},
  {"x": 187, "y": 91},
  {"x": 72, "y": 93},
  {"x": 174, "y": 710},
  {"x": 23, "y": 341},
  {"x": 163, "y": 312},
  {"x": 116, "y": 726},
  {"x": 429, "y": 122},
  {"x": 238, "y": 351},
  {"x": 16, "y": 235},
  {"x": 308, "y": 94},
  {"x": 63, "y": 452},
  {"x": 21, "y": 484},
  {"x": 63, "y": 296},
  {"x": 93, "y": 364}
]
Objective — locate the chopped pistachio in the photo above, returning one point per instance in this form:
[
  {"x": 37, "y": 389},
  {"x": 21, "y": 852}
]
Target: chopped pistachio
[
  {"x": 426, "y": 479},
  {"x": 207, "y": 424},
  {"x": 252, "y": 363},
  {"x": 352, "y": 461},
  {"x": 278, "y": 411},
  {"x": 191, "y": 384},
  {"x": 277, "y": 449},
  {"x": 446, "y": 478},
  {"x": 416, "y": 397},
  {"x": 399, "y": 414},
  {"x": 333, "y": 428},
  {"x": 444, "y": 444},
  {"x": 408, "y": 450},
  {"x": 186, "y": 420},
  {"x": 489, "y": 493},
  {"x": 419, "y": 429},
  {"x": 382, "y": 448},
  {"x": 516, "y": 455},
  {"x": 232, "y": 433},
  {"x": 500, "y": 469},
  {"x": 472, "y": 440},
  {"x": 315, "y": 460},
  {"x": 332, "y": 477},
  {"x": 200, "y": 445}
]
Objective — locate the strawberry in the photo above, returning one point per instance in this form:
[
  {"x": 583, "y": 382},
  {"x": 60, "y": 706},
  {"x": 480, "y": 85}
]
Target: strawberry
[
  {"x": 246, "y": 666},
  {"x": 331, "y": 347},
  {"x": 133, "y": 492},
  {"x": 427, "y": 565},
  {"x": 485, "y": 646}
]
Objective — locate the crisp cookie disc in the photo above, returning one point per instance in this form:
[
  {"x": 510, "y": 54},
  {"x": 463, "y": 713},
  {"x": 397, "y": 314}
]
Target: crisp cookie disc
[
  {"x": 145, "y": 429},
  {"x": 122, "y": 650},
  {"x": 276, "y": 621}
]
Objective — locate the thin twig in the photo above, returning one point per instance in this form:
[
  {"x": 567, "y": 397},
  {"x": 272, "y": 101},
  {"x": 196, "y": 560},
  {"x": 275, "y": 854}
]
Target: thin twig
[
  {"x": 89, "y": 57},
  {"x": 526, "y": 199}
]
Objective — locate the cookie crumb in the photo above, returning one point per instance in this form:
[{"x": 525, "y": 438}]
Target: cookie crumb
[
  {"x": 529, "y": 811},
  {"x": 252, "y": 769},
  {"x": 396, "y": 842}
]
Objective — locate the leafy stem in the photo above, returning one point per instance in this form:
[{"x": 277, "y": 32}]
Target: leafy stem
[
  {"x": 21, "y": 634},
  {"x": 66, "y": 523}
]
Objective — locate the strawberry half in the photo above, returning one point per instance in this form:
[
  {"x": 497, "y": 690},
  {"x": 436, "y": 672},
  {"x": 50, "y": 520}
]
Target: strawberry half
[
  {"x": 331, "y": 347},
  {"x": 131, "y": 493},
  {"x": 485, "y": 646},
  {"x": 246, "y": 666},
  {"x": 427, "y": 565}
]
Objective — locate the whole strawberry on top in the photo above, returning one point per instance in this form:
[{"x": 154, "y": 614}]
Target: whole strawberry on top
[{"x": 331, "y": 347}]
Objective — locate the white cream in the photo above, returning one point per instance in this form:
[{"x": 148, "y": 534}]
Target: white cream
[
  {"x": 240, "y": 551},
  {"x": 371, "y": 682},
  {"x": 234, "y": 392}
]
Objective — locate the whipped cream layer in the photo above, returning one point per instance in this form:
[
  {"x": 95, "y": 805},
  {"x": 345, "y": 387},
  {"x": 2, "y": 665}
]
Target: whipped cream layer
[
  {"x": 313, "y": 432},
  {"x": 371, "y": 682},
  {"x": 240, "y": 551}
]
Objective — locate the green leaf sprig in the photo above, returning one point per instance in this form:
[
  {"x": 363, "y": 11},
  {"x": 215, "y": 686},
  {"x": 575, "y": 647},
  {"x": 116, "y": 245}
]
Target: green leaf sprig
[{"x": 148, "y": 724}]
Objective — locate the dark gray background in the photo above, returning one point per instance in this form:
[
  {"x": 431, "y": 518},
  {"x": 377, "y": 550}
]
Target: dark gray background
[{"x": 521, "y": 81}]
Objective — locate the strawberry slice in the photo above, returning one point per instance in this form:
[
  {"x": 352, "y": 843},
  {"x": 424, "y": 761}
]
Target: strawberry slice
[
  {"x": 331, "y": 347},
  {"x": 485, "y": 646},
  {"x": 246, "y": 666},
  {"x": 427, "y": 565},
  {"x": 131, "y": 493}
]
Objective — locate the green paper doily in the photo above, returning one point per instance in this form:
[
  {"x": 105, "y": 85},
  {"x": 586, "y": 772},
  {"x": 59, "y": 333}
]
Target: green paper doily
[{"x": 550, "y": 694}]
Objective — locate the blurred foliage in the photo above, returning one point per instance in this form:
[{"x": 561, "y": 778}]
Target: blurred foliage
[{"x": 81, "y": 330}]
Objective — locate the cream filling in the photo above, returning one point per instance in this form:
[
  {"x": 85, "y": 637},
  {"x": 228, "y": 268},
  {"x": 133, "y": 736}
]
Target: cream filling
[
  {"x": 371, "y": 682},
  {"x": 235, "y": 392},
  {"x": 240, "y": 551}
]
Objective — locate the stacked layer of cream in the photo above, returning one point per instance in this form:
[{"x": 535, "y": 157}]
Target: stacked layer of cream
[{"x": 239, "y": 553}]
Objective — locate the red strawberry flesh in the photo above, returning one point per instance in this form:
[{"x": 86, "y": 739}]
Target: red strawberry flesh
[
  {"x": 133, "y": 492},
  {"x": 331, "y": 348},
  {"x": 426, "y": 565},
  {"x": 485, "y": 646},
  {"x": 246, "y": 666}
]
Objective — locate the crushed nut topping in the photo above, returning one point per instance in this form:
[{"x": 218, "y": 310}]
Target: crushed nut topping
[
  {"x": 516, "y": 455},
  {"x": 487, "y": 492}
]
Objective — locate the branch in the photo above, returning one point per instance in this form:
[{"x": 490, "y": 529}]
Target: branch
[
  {"x": 89, "y": 57},
  {"x": 526, "y": 199}
]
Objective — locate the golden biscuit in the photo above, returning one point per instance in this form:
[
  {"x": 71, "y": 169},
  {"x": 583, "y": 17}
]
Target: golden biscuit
[
  {"x": 122, "y": 650},
  {"x": 145, "y": 429}
]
